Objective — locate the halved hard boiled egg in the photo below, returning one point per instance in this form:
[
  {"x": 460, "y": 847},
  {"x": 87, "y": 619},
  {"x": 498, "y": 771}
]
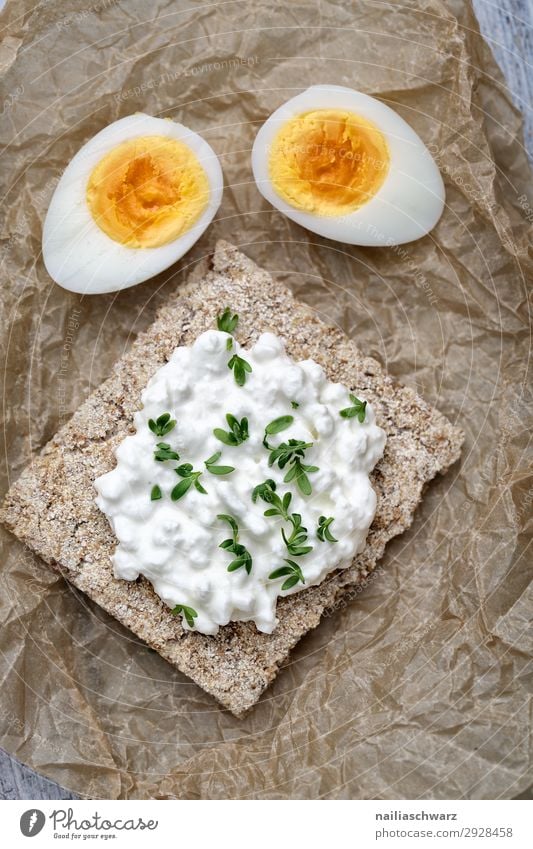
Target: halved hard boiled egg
[
  {"x": 346, "y": 166},
  {"x": 133, "y": 200}
]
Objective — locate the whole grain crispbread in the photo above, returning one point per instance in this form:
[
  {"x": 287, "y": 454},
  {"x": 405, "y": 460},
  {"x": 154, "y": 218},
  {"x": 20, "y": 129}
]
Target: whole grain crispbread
[{"x": 51, "y": 507}]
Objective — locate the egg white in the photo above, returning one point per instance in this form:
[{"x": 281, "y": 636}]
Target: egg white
[
  {"x": 408, "y": 204},
  {"x": 77, "y": 253}
]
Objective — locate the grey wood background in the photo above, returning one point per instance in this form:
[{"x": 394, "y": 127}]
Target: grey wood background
[{"x": 508, "y": 28}]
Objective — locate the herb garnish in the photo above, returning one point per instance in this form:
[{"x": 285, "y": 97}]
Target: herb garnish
[
  {"x": 227, "y": 322},
  {"x": 294, "y": 405},
  {"x": 240, "y": 368},
  {"x": 190, "y": 477},
  {"x": 298, "y": 536},
  {"x": 358, "y": 409},
  {"x": 217, "y": 470},
  {"x": 156, "y": 493},
  {"x": 276, "y": 426},
  {"x": 294, "y": 574},
  {"x": 188, "y": 612},
  {"x": 162, "y": 425},
  {"x": 323, "y": 531},
  {"x": 291, "y": 453},
  {"x": 238, "y": 431},
  {"x": 165, "y": 452},
  {"x": 266, "y": 491},
  {"x": 280, "y": 507},
  {"x": 243, "y": 556}
]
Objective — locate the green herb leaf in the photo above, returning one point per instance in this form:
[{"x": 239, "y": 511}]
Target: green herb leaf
[
  {"x": 323, "y": 530},
  {"x": 190, "y": 478},
  {"x": 358, "y": 410},
  {"x": 291, "y": 454},
  {"x": 295, "y": 542},
  {"x": 288, "y": 452},
  {"x": 225, "y": 517},
  {"x": 276, "y": 426},
  {"x": 217, "y": 470},
  {"x": 165, "y": 452},
  {"x": 240, "y": 368},
  {"x": 181, "y": 488},
  {"x": 239, "y": 428},
  {"x": 243, "y": 558},
  {"x": 291, "y": 474},
  {"x": 189, "y": 613},
  {"x": 294, "y": 405},
  {"x": 279, "y": 424},
  {"x": 227, "y": 322},
  {"x": 280, "y": 573},
  {"x": 237, "y": 434},
  {"x": 304, "y": 484},
  {"x": 264, "y": 490},
  {"x": 290, "y": 582},
  {"x": 156, "y": 493},
  {"x": 162, "y": 425},
  {"x": 299, "y": 472},
  {"x": 226, "y": 438},
  {"x": 293, "y": 571},
  {"x": 229, "y": 344}
]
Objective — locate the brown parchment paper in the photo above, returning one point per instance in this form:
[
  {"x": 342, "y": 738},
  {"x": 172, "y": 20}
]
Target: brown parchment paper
[{"x": 420, "y": 687}]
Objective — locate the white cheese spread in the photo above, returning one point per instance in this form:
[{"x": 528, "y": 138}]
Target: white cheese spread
[{"x": 176, "y": 544}]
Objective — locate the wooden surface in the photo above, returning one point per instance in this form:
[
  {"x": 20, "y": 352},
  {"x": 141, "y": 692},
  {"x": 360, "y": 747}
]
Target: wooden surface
[{"x": 508, "y": 28}]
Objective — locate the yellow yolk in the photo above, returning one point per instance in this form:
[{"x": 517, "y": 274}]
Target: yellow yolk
[
  {"x": 328, "y": 162},
  {"x": 148, "y": 191}
]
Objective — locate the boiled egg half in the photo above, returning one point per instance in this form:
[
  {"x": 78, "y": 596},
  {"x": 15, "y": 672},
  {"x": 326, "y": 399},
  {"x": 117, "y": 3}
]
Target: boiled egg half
[
  {"x": 132, "y": 201},
  {"x": 346, "y": 166}
]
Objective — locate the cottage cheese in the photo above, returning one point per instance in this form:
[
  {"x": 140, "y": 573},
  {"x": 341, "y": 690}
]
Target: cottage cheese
[{"x": 176, "y": 544}]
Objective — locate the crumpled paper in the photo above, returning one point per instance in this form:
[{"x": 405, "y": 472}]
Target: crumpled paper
[{"x": 418, "y": 688}]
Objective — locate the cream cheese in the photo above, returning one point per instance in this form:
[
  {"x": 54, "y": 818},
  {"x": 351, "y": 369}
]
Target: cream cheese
[{"x": 176, "y": 544}]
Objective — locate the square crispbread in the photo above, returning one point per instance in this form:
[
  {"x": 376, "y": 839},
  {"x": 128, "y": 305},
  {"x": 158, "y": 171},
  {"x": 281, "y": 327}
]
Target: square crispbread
[{"x": 51, "y": 507}]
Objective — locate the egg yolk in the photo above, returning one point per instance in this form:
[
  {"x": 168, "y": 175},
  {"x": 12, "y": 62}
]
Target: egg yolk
[
  {"x": 147, "y": 191},
  {"x": 328, "y": 162}
]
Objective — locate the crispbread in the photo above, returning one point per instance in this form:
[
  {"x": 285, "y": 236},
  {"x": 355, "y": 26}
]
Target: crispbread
[{"x": 51, "y": 507}]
